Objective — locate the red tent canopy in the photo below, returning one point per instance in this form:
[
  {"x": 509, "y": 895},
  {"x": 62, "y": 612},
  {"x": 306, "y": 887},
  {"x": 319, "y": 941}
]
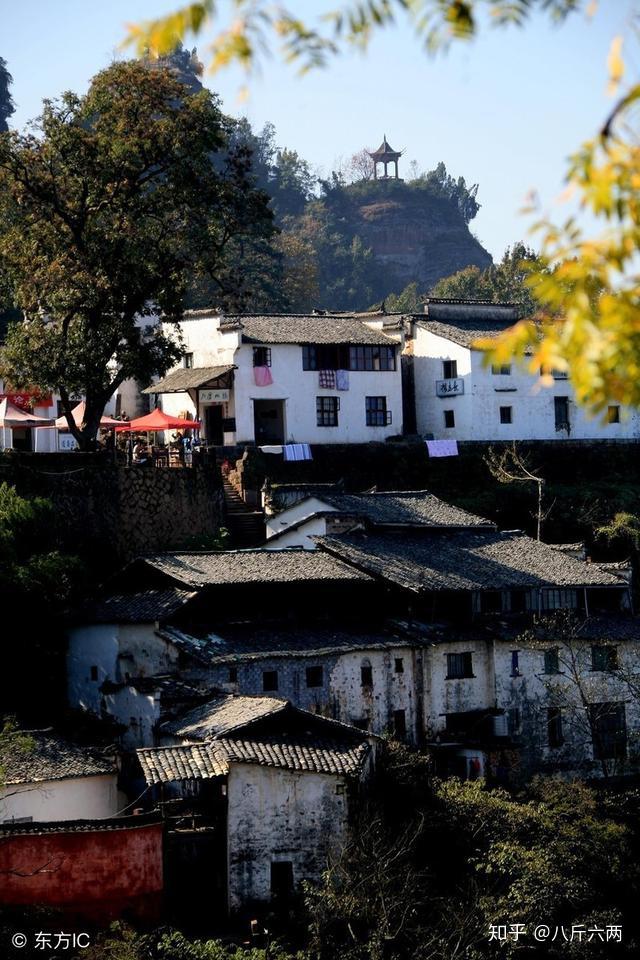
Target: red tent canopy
[
  {"x": 157, "y": 420},
  {"x": 78, "y": 413}
]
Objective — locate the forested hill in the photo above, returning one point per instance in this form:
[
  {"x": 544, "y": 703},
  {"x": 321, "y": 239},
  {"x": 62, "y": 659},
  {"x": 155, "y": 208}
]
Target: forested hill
[{"x": 415, "y": 231}]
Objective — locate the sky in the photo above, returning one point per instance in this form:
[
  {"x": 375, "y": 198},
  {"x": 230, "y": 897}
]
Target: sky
[{"x": 504, "y": 111}]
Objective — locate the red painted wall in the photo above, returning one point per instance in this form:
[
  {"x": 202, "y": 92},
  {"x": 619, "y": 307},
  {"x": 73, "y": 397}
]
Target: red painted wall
[{"x": 96, "y": 874}]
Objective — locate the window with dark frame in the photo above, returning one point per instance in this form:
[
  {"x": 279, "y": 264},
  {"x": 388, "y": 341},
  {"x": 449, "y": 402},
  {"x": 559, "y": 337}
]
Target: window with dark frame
[
  {"x": 449, "y": 369},
  {"x": 604, "y": 658},
  {"x": 366, "y": 675},
  {"x": 551, "y": 660},
  {"x": 336, "y": 356},
  {"x": 327, "y": 411},
  {"x": 555, "y": 737},
  {"x": 613, "y": 414},
  {"x": 609, "y": 730},
  {"x": 449, "y": 418},
  {"x": 187, "y": 361},
  {"x": 501, "y": 369},
  {"x": 506, "y": 414},
  {"x": 515, "y": 663},
  {"x": 262, "y": 356},
  {"x": 281, "y": 879},
  {"x": 398, "y": 665},
  {"x": 376, "y": 412},
  {"x": 459, "y": 666},
  {"x": 94, "y": 673},
  {"x": 233, "y": 675},
  {"x": 269, "y": 681},
  {"x": 314, "y": 676}
]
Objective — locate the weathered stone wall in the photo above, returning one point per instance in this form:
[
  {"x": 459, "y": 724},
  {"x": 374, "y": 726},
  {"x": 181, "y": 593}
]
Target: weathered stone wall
[{"x": 110, "y": 512}]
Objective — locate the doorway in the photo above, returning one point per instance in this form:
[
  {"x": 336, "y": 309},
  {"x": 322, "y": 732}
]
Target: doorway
[
  {"x": 268, "y": 421},
  {"x": 213, "y": 424}
]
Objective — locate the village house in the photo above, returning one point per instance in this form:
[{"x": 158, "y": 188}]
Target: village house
[
  {"x": 278, "y": 379},
  {"x": 52, "y": 779},
  {"x": 459, "y": 397},
  {"x": 271, "y": 788},
  {"x": 295, "y": 624},
  {"x": 294, "y": 516},
  {"x": 499, "y": 701}
]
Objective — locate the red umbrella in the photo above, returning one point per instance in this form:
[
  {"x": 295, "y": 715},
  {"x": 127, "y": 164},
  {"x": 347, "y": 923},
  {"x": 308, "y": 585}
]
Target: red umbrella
[{"x": 158, "y": 420}]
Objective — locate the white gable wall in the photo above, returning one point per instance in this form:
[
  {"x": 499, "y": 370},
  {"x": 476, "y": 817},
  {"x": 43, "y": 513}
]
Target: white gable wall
[
  {"x": 74, "y": 798},
  {"x": 280, "y": 815}
]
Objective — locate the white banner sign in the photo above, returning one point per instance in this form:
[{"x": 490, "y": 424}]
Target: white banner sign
[
  {"x": 450, "y": 388},
  {"x": 214, "y": 396}
]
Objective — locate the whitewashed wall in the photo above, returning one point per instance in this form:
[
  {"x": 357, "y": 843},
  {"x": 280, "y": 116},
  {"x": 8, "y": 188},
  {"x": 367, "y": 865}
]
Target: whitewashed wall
[
  {"x": 117, "y": 651},
  {"x": 75, "y": 798},
  {"x": 477, "y": 412},
  {"x": 389, "y": 691},
  {"x": 280, "y": 815}
]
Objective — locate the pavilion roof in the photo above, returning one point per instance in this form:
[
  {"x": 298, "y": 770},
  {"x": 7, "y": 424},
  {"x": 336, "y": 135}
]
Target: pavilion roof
[{"x": 385, "y": 151}]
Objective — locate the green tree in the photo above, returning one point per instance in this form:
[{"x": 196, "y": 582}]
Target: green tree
[
  {"x": 503, "y": 282},
  {"x": 6, "y": 101},
  {"x": 122, "y": 199}
]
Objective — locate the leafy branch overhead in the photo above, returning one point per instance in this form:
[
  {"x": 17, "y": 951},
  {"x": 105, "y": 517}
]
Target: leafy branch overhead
[{"x": 587, "y": 293}]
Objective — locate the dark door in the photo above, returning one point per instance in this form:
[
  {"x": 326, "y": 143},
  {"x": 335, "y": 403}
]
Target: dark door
[
  {"x": 281, "y": 880},
  {"x": 213, "y": 422},
  {"x": 268, "y": 416},
  {"x": 561, "y": 407}
]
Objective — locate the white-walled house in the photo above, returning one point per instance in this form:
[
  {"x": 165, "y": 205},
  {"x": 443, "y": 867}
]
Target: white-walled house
[
  {"x": 459, "y": 397},
  {"x": 335, "y": 512},
  {"x": 279, "y": 785},
  {"x": 52, "y": 779},
  {"x": 274, "y": 379}
]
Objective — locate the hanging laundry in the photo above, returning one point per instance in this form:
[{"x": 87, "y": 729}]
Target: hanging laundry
[
  {"x": 342, "y": 379},
  {"x": 327, "y": 379},
  {"x": 297, "y": 451},
  {"x": 271, "y": 448},
  {"x": 262, "y": 376},
  {"x": 442, "y": 448}
]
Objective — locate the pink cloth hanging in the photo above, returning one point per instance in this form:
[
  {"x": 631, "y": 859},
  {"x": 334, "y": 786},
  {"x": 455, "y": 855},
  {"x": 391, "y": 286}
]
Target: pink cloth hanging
[{"x": 262, "y": 376}]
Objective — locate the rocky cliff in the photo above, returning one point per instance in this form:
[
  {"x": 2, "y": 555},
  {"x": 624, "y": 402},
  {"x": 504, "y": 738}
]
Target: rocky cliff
[{"x": 415, "y": 236}]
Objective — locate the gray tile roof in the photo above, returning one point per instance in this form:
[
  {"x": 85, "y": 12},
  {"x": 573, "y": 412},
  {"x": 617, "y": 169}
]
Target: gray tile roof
[
  {"x": 195, "y": 761},
  {"x": 305, "y": 328},
  {"x": 251, "y": 566},
  {"x": 188, "y": 378},
  {"x": 399, "y": 508},
  {"x": 465, "y": 334},
  {"x": 146, "y": 606},
  {"x": 301, "y": 751},
  {"x": 219, "y": 716},
  {"x": 53, "y": 758},
  {"x": 465, "y": 560},
  {"x": 231, "y": 644}
]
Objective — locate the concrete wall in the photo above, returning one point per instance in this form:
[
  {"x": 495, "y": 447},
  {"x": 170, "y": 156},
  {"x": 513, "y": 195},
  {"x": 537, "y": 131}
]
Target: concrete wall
[
  {"x": 98, "y": 874},
  {"x": 277, "y": 522},
  {"x": 477, "y": 411},
  {"x": 85, "y": 798},
  {"x": 280, "y": 815},
  {"x": 444, "y": 696}
]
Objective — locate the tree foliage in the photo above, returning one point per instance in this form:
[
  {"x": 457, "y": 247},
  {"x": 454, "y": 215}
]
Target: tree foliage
[
  {"x": 110, "y": 208},
  {"x": 6, "y": 101},
  {"x": 503, "y": 282}
]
